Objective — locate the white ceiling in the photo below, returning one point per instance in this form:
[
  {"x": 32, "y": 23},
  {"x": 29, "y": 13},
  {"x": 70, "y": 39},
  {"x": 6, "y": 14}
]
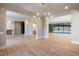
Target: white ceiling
[
  {"x": 27, "y": 10},
  {"x": 61, "y": 19},
  {"x": 15, "y": 15},
  {"x": 32, "y": 8}
]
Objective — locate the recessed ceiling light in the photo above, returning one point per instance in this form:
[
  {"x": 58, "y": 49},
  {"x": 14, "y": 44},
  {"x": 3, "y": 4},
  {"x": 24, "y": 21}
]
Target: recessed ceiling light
[
  {"x": 66, "y": 7},
  {"x": 37, "y": 14},
  {"x": 48, "y": 13},
  {"x": 34, "y": 16},
  {"x": 51, "y": 16},
  {"x": 34, "y": 25}
]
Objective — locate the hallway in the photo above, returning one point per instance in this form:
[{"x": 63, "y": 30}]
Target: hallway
[{"x": 56, "y": 45}]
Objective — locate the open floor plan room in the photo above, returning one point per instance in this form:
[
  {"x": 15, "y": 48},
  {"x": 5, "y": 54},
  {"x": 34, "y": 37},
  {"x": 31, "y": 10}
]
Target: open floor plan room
[{"x": 39, "y": 29}]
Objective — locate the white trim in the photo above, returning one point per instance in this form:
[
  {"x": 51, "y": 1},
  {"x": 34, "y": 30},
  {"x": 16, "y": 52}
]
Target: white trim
[
  {"x": 41, "y": 37},
  {"x": 38, "y": 37},
  {"x": 28, "y": 34},
  {"x": 46, "y": 37},
  {"x": 75, "y": 42}
]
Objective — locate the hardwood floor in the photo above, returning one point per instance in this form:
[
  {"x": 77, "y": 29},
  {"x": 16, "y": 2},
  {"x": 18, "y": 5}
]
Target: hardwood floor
[{"x": 56, "y": 45}]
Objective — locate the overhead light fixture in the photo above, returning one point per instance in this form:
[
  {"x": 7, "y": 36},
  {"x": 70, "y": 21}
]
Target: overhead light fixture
[
  {"x": 34, "y": 25},
  {"x": 66, "y": 7},
  {"x": 37, "y": 14},
  {"x": 34, "y": 16},
  {"x": 45, "y": 14},
  {"x": 51, "y": 16},
  {"x": 48, "y": 13}
]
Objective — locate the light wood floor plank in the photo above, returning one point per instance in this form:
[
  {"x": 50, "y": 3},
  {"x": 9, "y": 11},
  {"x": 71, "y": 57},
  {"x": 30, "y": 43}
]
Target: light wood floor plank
[{"x": 56, "y": 45}]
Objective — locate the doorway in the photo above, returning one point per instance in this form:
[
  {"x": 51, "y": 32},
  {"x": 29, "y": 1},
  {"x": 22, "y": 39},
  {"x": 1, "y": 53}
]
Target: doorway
[
  {"x": 19, "y": 27},
  {"x": 22, "y": 27}
]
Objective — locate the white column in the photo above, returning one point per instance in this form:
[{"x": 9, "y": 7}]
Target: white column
[
  {"x": 2, "y": 28},
  {"x": 75, "y": 27},
  {"x": 42, "y": 28},
  {"x": 13, "y": 24},
  {"x": 28, "y": 28}
]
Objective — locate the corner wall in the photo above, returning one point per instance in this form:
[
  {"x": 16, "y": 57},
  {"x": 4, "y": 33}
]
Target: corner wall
[{"x": 75, "y": 27}]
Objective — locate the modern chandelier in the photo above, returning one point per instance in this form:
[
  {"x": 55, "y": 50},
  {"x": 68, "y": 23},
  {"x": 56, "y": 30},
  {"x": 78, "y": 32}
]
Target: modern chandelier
[{"x": 44, "y": 14}]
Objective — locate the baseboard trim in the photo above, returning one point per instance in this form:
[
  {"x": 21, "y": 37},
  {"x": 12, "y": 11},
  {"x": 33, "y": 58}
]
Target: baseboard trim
[
  {"x": 75, "y": 42},
  {"x": 40, "y": 37}
]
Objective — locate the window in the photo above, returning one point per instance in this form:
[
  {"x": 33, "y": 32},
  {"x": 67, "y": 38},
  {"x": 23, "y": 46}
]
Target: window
[{"x": 60, "y": 28}]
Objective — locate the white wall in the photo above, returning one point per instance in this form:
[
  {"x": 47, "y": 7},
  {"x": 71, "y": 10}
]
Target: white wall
[
  {"x": 28, "y": 28},
  {"x": 75, "y": 27},
  {"x": 60, "y": 19}
]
